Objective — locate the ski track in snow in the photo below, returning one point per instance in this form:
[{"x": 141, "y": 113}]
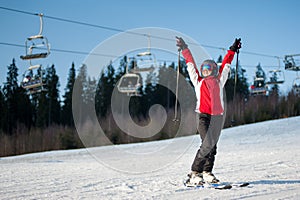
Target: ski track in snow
[{"x": 265, "y": 154}]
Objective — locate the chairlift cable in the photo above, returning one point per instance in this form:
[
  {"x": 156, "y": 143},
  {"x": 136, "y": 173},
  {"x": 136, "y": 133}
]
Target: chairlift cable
[
  {"x": 121, "y": 30},
  {"x": 63, "y": 50},
  {"x": 93, "y": 54}
]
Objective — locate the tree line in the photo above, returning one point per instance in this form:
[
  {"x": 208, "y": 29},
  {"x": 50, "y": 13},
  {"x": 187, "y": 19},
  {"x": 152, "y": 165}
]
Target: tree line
[{"x": 44, "y": 121}]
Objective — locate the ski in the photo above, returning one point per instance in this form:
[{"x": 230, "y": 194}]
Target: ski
[
  {"x": 227, "y": 186},
  {"x": 217, "y": 186},
  {"x": 242, "y": 184},
  {"x": 223, "y": 187},
  {"x": 231, "y": 185},
  {"x": 184, "y": 186}
]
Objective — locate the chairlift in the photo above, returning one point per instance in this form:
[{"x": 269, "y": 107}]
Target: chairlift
[
  {"x": 33, "y": 79},
  {"x": 276, "y": 76},
  {"x": 291, "y": 63},
  {"x": 37, "y": 46},
  {"x": 146, "y": 53},
  {"x": 296, "y": 85},
  {"x": 145, "y": 62},
  {"x": 259, "y": 87},
  {"x": 130, "y": 84}
]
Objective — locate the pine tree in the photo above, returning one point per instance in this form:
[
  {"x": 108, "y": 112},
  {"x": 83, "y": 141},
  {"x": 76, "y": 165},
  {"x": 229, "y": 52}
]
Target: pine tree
[
  {"x": 40, "y": 104},
  {"x": 53, "y": 96},
  {"x": 16, "y": 104},
  {"x": 23, "y": 108},
  {"x": 170, "y": 95},
  {"x": 275, "y": 87},
  {"x": 104, "y": 90},
  {"x": 2, "y": 109},
  {"x": 9, "y": 90},
  {"x": 82, "y": 80},
  {"x": 42, "y": 110},
  {"x": 89, "y": 93},
  {"x": 241, "y": 84},
  {"x": 162, "y": 94},
  {"x": 67, "y": 116},
  {"x": 78, "y": 96},
  {"x": 148, "y": 98},
  {"x": 183, "y": 71},
  {"x": 100, "y": 96},
  {"x": 121, "y": 69},
  {"x": 48, "y": 103},
  {"x": 260, "y": 73}
]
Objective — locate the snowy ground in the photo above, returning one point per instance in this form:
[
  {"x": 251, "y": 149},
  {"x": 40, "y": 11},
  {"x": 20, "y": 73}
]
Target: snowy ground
[{"x": 265, "y": 154}]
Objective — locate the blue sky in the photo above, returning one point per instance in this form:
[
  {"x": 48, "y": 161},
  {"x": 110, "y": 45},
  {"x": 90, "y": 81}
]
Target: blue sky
[{"x": 266, "y": 27}]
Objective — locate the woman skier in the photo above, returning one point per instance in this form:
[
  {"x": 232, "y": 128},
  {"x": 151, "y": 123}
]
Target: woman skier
[{"x": 208, "y": 84}]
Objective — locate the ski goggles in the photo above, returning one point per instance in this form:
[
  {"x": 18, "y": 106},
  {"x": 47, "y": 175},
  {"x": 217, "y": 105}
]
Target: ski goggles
[{"x": 207, "y": 67}]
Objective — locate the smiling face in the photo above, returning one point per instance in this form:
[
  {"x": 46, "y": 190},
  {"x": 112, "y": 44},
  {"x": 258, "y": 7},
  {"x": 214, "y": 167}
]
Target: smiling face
[
  {"x": 208, "y": 68},
  {"x": 206, "y": 72}
]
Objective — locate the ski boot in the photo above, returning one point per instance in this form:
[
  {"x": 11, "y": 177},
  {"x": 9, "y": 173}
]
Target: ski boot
[
  {"x": 210, "y": 177},
  {"x": 195, "y": 179}
]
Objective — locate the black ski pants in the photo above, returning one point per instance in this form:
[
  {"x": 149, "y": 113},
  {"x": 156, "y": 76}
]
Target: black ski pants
[{"x": 209, "y": 128}]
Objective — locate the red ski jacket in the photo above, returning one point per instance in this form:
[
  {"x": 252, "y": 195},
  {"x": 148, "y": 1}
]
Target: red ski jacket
[{"x": 209, "y": 90}]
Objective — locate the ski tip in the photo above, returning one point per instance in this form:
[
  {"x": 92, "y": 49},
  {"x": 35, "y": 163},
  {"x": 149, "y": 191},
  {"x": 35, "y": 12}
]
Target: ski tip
[
  {"x": 244, "y": 184},
  {"x": 225, "y": 187}
]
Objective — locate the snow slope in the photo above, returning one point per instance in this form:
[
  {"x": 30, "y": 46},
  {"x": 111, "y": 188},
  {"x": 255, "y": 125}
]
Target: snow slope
[{"x": 265, "y": 154}]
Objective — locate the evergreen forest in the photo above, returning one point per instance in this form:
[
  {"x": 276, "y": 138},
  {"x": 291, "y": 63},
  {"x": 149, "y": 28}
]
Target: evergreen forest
[{"x": 44, "y": 121}]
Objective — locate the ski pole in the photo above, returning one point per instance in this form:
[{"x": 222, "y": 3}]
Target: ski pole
[
  {"x": 177, "y": 81},
  {"x": 235, "y": 81},
  {"x": 236, "y": 73}
]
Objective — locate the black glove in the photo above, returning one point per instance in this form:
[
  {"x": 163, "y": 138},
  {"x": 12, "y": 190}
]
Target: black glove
[
  {"x": 181, "y": 44},
  {"x": 236, "y": 45}
]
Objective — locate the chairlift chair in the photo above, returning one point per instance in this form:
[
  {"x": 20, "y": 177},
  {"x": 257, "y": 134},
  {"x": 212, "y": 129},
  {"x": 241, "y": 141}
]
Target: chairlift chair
[
  {"x": 291, "y": 63},
  {"x": 36, "y": 42},
  {"x": 37, "y": 46},
  {"x": 145, "y": 62},
  {"x": 259, "y": 87},
  {"x": 130, "y": 84},
  {"x": 276, "y": 77},
  {"x": 296, "y": 85},
  {"x": 33, "y": 79}
]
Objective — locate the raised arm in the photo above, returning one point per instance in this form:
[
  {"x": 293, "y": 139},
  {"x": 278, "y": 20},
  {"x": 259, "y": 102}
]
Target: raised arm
[
  {"x": 191, "y": 67},
  {"x": 190, "y": 62},
  {"x": 230, "y": 53}
]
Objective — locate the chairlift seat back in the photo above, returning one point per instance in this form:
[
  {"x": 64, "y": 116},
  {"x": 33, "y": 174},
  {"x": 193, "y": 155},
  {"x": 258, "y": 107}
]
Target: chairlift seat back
[{"x": 130, "y": 84}]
